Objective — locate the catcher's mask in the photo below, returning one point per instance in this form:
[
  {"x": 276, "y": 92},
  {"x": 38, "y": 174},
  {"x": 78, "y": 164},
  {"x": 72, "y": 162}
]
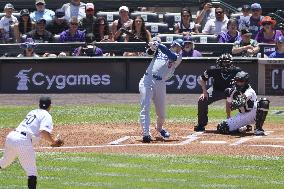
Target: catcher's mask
[
  {"x": 241, "y": 81},
  {"x": 225, "y": 62}
]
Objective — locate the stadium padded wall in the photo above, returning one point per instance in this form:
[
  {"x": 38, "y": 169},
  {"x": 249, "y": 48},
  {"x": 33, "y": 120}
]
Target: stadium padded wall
[{"x": 101, "y": 74}]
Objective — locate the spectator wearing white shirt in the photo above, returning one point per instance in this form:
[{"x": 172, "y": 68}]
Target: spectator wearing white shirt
[
  {"x": 74, "y": 8},
  {"x": 41, "y": 12},
  {"x": 218, "y": 25},
  {"x": 7, "y": 22}
]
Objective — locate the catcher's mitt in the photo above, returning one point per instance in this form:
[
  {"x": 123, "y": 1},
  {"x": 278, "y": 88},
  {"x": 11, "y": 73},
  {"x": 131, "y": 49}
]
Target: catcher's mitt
[
  {"x": 238, "y": 101},
  {"x": 57, "y": 143}
]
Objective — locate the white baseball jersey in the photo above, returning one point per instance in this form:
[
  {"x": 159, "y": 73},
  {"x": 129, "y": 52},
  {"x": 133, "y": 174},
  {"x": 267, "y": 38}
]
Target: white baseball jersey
[
  {"x": 162, "y": 66},
  {"x": 19, "y": 142},
  {"x": 5, "y": 24},
  {"x": 153, "y": 86},
  {"x": 246, "y": 113}
]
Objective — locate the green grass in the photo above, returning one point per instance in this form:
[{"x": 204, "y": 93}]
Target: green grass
[
  {"x": 11, "y": 116},
  {"x": 92, "y": 170}
]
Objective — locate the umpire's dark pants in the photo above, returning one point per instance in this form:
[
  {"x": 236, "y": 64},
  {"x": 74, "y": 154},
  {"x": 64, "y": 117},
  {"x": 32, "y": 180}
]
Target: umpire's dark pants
[{"x": 213, "y": 96}]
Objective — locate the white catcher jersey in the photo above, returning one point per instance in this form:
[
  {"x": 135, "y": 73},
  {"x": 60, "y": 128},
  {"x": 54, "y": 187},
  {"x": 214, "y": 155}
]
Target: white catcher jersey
[
  {"x": 162, "y": 66},
  {"x": 36, "y": 120},
  {"x": 251, "y": 101}
]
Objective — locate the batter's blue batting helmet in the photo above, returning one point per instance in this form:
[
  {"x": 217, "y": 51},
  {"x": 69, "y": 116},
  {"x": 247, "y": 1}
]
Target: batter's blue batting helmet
[{"x": 178, "y": 42}]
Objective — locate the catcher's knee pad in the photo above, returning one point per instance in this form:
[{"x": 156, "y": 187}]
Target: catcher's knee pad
[
  {"x": 32, "y": 181},
  {"x": 223, "y": 128},
  {"x": 261, "y": 112}
]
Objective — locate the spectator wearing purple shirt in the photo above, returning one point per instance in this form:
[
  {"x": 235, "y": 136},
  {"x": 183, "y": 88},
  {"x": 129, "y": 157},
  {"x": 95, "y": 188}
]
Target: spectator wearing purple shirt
[
  {"x": 279, "y": 53},
  {"x": 188, "y": 50},
  {"x": 232, "y": 34},
  {"x": 72, "y": 34},
  {"x": 268, "y": 34}
]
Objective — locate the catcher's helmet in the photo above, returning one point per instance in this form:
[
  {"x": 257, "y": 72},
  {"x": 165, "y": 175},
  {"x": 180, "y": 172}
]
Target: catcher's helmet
[
  {"x": 225, "y": 62},
  {"x": 242, "y": 77}
]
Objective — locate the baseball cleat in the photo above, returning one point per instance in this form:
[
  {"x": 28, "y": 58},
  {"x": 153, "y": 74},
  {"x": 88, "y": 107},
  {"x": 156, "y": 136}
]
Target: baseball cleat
[
  {"x": 259, "y": 132},
  {"x": 147, "y": 139},
  {"x": 165, "y": 134},
  {"x": 199, "y": 128}
]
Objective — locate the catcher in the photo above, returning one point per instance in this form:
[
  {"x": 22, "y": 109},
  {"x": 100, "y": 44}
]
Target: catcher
[
  {"x": 223, "y": 74},
  {"x": 37, "y": 124},
  {"x": 243, "y": 98}
]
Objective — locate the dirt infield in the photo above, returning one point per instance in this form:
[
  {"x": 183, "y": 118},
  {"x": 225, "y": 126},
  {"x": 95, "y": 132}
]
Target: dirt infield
[{"x": 127, "y": 138}]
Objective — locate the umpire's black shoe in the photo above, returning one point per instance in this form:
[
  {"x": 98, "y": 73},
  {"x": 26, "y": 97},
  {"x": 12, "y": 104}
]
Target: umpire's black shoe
[
  {"x": 147, "y": 139},
  {"x": 199, "y": 128}
]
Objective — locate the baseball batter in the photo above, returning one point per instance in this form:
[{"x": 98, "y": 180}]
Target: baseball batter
[
  {"x": 243, "y": 98},
  {"x": 153, "y": 84},
  {"x": 37, "y": 124}
]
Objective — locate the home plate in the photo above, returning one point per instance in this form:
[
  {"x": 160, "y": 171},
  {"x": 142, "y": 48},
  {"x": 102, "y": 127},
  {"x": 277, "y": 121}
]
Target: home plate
[{"x": 213, "y": 142}]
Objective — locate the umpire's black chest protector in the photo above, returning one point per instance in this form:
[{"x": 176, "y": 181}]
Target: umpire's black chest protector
[{"x": 221, "y": 80}]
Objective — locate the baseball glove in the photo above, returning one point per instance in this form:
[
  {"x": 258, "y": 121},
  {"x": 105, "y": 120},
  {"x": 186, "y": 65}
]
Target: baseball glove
[
  {"x": 57, "y": 143},
  {"x": 238, "y": 101}
]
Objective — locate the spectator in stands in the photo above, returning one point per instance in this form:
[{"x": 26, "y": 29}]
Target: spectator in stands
[
  {"x": 24, "y": 26},
  {"x": 246, "y": 46},
  {"x": 268, "y": 34},
  {"x": 73, "y": 33},
  {"x": 89, "y": 49},
  {"x": 58, "y": 23},
  {"x": 74, "y": 8},
  {"x": 281, "y": 27},
  {"x": 28, "y": 46},
  {"x": 7, "y": 23},
  {"x": 88, "y": 23},
  {"x": 41, "y": 12},
  {"x": 102, "y": 30},
  {"x": 279, "y": 51},
  {"x": 205, "y": 13},
  {"x": 188, "y": 50},
  {"x": 187, "y": 25},
  {"x": 217, "y": 25},
  {"x": 252, "y": 22},
  {"x": 40, "y": 34},
  {"x": 123, "y": 22},
  {"x": 138, "y": 33},
  {"x": 246, "y": 13},
  {"x": 142, "y": 9},
  {"x": 232, "y": 34}
]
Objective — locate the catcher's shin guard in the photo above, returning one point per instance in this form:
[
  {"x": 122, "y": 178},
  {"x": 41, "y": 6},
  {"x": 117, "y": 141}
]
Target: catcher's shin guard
[
  {"x": 223, "y": 128},
  {"x": 32, "y": 180},
  {"x": 261, "y": 113}
]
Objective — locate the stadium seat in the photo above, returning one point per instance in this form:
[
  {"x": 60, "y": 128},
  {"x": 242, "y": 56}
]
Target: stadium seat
[
  {"x": 156, "y": 28},
  {"x": 204, "y": 38},
  {"x": 276, "y": 17},
  {"x": 109, "y": 16},
  {"x": 169, "y": 37},
  {"x": 147, "y": 16},
  {"x": 280, "y": 13},
  {"x": 172, "y": 18}
]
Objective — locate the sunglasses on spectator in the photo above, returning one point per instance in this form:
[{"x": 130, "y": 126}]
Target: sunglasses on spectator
[
  {"x": 90, "y": 10},
  {"x": 40, "y": 4},
  {"x": 255, "y": 10},
  {"x": 266, "y": 23},
  {"x": 219, "y": 12},
  {"x": 186, "y": 15},
  {"x": 74, "y": 23}
]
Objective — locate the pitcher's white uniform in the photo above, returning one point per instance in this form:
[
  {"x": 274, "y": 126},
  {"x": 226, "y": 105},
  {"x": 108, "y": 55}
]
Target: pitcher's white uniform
[
  {"x": 153, "y": 86},
  {"x": 19, "y": 142},
  {"x": 247, "y": 114}
]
